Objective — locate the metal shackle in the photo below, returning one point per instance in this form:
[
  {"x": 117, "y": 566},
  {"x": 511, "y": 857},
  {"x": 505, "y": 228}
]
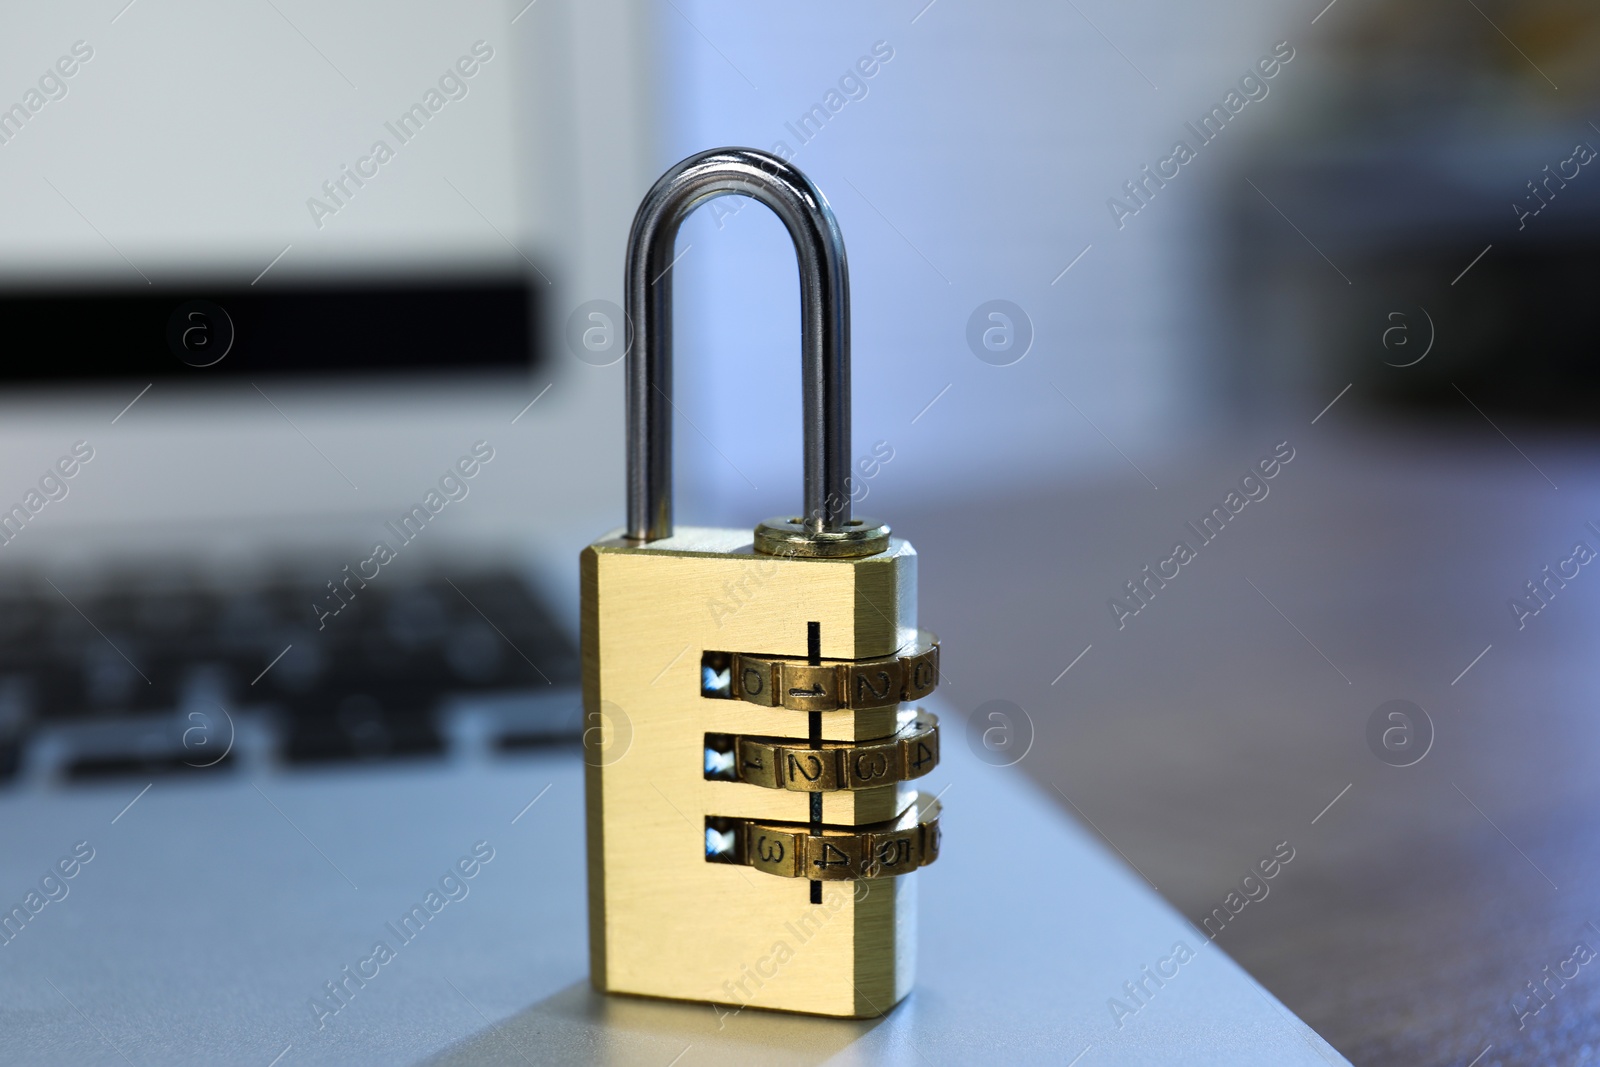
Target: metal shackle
[{"x": 824, "y": 335}]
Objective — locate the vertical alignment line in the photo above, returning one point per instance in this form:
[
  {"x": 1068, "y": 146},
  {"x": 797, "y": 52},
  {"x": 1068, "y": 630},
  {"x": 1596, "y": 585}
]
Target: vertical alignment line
[{"x": 814, "y": 658}]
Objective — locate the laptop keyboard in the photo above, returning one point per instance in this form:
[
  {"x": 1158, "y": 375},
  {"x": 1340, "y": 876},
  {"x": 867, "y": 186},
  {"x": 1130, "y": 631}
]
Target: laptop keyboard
[{"x": 138, "y": 676}]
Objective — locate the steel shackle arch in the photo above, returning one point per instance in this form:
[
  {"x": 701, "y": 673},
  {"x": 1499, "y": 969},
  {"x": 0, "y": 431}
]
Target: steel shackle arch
[{"x": 824, "y": 330}]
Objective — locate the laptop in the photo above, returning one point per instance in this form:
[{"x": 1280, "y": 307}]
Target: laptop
[{"x": 288, "y": 424}]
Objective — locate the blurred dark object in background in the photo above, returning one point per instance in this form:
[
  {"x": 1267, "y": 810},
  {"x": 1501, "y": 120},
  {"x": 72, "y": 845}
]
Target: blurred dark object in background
[
  {"x": 363, "y": 324},
  {"x": 1446, "y": 196}
]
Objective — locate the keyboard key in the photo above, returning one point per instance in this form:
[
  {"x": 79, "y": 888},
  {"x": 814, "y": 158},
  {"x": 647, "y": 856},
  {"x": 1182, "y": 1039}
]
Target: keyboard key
[{"x": 358, "y": 726}]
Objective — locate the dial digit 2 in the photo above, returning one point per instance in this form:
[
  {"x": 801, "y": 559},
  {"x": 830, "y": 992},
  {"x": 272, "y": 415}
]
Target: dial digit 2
[{"x": 796, "y": 767}]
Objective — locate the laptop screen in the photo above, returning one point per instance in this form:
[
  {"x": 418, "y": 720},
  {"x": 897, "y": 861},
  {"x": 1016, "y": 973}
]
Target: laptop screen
[{"x": 336, "y": 193}]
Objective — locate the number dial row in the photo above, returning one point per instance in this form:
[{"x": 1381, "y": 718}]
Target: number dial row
[
  {"x": 879, "y": 851},
  {"x": 776, "y": 763},
  {"x": 840, "y": 685}
]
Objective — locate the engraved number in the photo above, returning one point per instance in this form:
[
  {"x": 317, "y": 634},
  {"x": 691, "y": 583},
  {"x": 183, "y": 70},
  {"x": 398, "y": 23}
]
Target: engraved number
[
  {"x": 870, "y": 765},
  {"x": 770, "y": 849},
  {"x": 829, "y": 852},
  {"x": 796, "y": 766},
  {"x": 869, "y": 694}
]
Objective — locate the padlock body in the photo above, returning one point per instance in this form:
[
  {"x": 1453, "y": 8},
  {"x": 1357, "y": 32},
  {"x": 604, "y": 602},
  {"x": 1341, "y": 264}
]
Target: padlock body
[{"x": 662, "y": 920}]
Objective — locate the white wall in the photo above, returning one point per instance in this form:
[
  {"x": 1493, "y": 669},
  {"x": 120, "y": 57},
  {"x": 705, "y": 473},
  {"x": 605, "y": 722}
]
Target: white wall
[{"x": 977, "y": 166}]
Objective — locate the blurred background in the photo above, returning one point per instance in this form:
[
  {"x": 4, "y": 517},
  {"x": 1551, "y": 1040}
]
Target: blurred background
[{"x": 1107, "y": 256}]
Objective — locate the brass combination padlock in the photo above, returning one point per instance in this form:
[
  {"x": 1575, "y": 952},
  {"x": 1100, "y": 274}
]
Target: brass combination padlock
[{"x": 752, "y": 746}]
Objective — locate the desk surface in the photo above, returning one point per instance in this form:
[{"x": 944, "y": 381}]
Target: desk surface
[
  {"x": 211, "y": 915},
  {"x": 1231, "y": 712}
]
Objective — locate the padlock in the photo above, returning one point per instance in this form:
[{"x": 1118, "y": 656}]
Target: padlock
[{"x": 751, "y": 739}]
